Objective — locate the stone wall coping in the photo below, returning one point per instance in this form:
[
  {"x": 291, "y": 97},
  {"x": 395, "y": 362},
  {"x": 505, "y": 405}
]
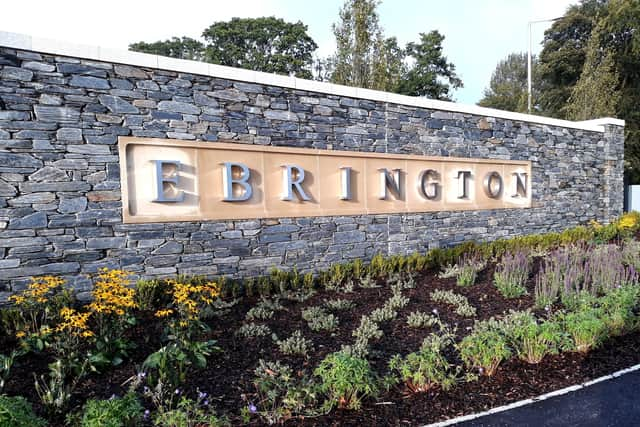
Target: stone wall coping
[{"x": 119, "y": 56}]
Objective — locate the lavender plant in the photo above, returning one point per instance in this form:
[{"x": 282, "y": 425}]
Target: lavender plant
[
  {"x": 512, "y": 273},
  {"x": 466, "y": 269}
]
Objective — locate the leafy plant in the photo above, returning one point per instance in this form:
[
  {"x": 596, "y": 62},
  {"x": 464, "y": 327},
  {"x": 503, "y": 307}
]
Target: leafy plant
[
  {"x": 465, "y": 270},
  {"x": 383, "y": 314},
  {"x": 6, "y": 363},
  {"x": 419, "y": 319},
  {"x": 620, "y": 309},
  {"x": 319, "y": 320},
  {"x": 252, "y": 330},
  {"x": 366, "y": 331},
  {"x": 259, "y": 313},
  {"x": 150, "y": 294},
  {"x": 532, "y": 339},
  {"x": 190, "y": 413},
  {"x": 512, "y": 274},
  {"x": 338, "y": 304},
  {"x": 184, "y": 329},
  {"x": 38, "y": 309},
  {"x": 55, "y": 393},
  {"x": 17, "y": 412},
  {"x": 368, "y": 282},
  {"x": 123, "y": 411},
  {"x": 346, "y": 380},
  {"x": 485, "y": 347},
  {"x": 585, "y": 327},
  {"x": 295, "y": 344},
  {"x": 459, "y": 302},
  {"x": 281, "y": 394},
  {"x": 112, "y": 314},
  {"x": 428, "y": 367}
]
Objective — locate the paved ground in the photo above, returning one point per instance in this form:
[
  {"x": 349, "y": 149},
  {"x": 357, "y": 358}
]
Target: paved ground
[{"x": 609, "y": 403}]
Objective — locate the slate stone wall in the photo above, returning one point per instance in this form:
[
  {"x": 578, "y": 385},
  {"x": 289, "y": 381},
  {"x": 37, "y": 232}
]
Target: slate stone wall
[{"x": 60, "y": 208}]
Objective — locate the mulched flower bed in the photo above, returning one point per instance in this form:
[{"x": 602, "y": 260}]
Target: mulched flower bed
[{"x": 229, "y": 374}]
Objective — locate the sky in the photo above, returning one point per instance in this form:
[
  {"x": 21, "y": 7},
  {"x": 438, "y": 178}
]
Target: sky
[{"x": 478, "y": 33}]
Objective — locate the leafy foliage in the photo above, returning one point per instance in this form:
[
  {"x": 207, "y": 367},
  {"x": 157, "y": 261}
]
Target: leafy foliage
[
  {"x": 265, "y": 44},
  {"x": 115, "y": 412},
  {"x": 346, "y": 380},
  {"x": 17, "y": 412},
  {"x": 428, "y": 367},
  {"x": 508, "y": 85},
  {"x": 485, "y": 347}
]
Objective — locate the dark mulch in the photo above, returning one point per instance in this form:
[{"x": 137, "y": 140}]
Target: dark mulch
[{"x": 230, "y": 372}]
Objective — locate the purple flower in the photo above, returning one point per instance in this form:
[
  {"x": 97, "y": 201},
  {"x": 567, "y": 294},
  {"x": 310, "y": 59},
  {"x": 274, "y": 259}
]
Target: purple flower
[
  {"x": 146, "y": 414},
  {"x": 435, "y": 311},
  {"x": 202, "y": 395},
  {"x": 177, "y": 391},
  {"x": 205, "y": 403},
  {"x": 252, "y": 408},
  {"x": 145, "y": 390}
]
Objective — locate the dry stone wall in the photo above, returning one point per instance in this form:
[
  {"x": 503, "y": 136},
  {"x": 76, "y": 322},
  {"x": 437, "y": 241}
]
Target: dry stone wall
[{"x": 60, "y": 201}]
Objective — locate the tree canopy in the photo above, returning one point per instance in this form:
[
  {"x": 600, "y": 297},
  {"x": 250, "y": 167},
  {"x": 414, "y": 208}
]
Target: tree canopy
[
  {"x": 508, "y": 86},
  {"x": 266, "y": 44},
  {"x": 364, "y": 57}
]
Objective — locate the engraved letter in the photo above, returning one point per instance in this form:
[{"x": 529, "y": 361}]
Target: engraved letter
[
  {"x": 345, "y": 181},
  {"x": 292, "y": 178},
  {"x": 423, "y": 181},
  {"x": 228, "y": 182},
  {"x": 520, "y": 184},
  {"x": 390, "y": 182},
  {"x": 493, "y": 184},
  {"x": 463, "y": 177},
  {"x": 161, "y": 180}
]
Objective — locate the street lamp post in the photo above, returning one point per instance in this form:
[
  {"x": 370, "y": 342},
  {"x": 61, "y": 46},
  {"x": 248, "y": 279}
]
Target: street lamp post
[{"x": 530, "y": 24}]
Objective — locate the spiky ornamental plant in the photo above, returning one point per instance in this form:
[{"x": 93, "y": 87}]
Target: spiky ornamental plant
[{"x": 512, "y": 273}]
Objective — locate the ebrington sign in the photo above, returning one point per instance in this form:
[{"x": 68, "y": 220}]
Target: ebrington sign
[{"x": 167, "y": 180}]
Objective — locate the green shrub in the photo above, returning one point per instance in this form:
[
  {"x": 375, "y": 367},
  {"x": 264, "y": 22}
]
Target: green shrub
[
  {"x": 295, "y": 344},
  {"x": 585, "y": 327},
  {"x": 418, "y": 319},
  {"x": 282, "y": 394},
  {"x": 253, "y": 330},
  {"x": 115, "y": 412},
  {"x": 428, "y": 367},
  {"x": 346, "y": 380},
  {"x": 459, "y": 302},
  {"x": 151, "y": 294},
  {"x": 531, "y": 339},
  {"x": 485, "y": 347},
  {"x": 17, "y": 412},
  {"x": 189, "y": 413},
  {"x": 319, "y": 320},
  {"x": 619, "y": 309},
  {"x": 338, "y": 304}
]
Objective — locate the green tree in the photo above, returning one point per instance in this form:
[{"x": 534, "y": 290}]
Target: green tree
[
  {"x": 508, "y": 86},
  {"x": 266, "y": 44},
  {"x": 564, "y": 56},
  {"x": 363, "y": 57},
  {"x": 262, "y": 44},
  {"x": 175, "y": 47},
  {"x": 596, "y": 93},
  {"x": 431, "y": 75}
]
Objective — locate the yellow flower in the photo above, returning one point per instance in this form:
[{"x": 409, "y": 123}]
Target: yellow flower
[
  {"x": 164, "y": 313},
  {"x": 20, "y": 334}
]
